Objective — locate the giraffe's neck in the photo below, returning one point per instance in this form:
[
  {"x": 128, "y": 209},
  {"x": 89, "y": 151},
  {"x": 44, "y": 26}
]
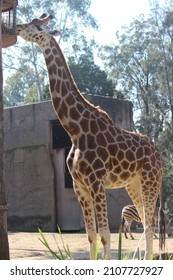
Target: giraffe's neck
[{"x": 68, "y": 103}]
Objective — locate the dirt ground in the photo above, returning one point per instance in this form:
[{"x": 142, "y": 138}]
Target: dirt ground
[{"x": 27, "y": 246}]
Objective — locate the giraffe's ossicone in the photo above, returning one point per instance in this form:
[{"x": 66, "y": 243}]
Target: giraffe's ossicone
[{"x": 102, "y": 154}]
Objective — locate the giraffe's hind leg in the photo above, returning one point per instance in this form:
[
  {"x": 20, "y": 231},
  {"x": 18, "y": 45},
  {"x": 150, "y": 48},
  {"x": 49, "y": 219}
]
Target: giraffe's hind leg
[
  {"x": 149, "y": 196},
  {"x": 135, "y": 194},
  {"x": 145, "y": 201}
]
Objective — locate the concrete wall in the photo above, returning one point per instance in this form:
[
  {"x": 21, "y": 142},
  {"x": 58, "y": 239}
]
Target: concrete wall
[
  {"x": 36, "y": 195},
  {"x": 29, "y": 174}
]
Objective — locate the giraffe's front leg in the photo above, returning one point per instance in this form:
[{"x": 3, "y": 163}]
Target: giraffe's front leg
[
  {"x": 86, "y": 202},
  {"x": 149, "y": 243},
  {"x": 84, "y": 197},
  {"x": 99, "y": 198}
]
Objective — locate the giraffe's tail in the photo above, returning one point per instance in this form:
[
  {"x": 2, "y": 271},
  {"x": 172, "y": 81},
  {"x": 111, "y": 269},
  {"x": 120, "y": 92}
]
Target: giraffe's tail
[
  {"x": 162, "y": 228},
  {"x": 161, "y": 222}
]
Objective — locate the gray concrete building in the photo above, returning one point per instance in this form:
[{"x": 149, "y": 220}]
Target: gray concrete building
[{"x": 39, "y": 186}]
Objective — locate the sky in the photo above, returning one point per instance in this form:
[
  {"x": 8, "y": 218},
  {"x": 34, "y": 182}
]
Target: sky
[{"x": 112, "y": 14}]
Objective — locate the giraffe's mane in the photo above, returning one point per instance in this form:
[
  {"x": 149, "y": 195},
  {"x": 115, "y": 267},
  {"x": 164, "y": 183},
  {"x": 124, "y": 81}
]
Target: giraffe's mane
[{"x": 77, "y": 91}]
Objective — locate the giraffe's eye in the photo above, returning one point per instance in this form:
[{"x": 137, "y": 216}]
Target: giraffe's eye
[{"x": 39, "y": 28}]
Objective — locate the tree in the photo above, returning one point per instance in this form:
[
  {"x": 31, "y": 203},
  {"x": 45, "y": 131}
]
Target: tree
[
  {"x": 4, "y": 246},
  {"x": 88, "y": 75},
  {"x": 141, "y": 66},
  {"x": 21, "y": 87},
  {"x": 162, "y": 20},
  {"x": 132, "y": 65}
]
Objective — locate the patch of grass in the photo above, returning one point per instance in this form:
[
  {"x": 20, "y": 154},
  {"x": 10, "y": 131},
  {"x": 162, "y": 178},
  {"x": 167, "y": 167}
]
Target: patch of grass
[{"x": 64, "y": 254}]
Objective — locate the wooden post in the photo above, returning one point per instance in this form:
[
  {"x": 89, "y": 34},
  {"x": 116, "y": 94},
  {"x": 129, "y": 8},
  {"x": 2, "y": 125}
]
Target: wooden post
[{"x": 4, "y": 245}]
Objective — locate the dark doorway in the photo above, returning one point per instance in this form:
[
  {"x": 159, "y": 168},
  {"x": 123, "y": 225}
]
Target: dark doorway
[
  {"x": 68, "y": 212},
  {"x": 61, "y": 140},
  {"x": 60, "y": 136}
]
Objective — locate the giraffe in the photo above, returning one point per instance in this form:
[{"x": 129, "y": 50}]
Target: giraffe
[{"x": 102, "y": 155}]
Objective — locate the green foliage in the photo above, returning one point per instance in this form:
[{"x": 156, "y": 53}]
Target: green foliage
[
  {"x": 59, "y": 255},
  {"x": 88, "y": 75},
  {"x": 132, "y": 63},
  {"x": 31, "y": 95},
  {"x": 21, "y": 87},
  {"x": 90, "y": 78},
  {"x": 46, "y": 92},
  {"x": 141, "y": 64}
]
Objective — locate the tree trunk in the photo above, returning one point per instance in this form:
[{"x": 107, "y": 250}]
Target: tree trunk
[
  {"x": 172, "y": 120},
  {"x": 4, "y": 245}
]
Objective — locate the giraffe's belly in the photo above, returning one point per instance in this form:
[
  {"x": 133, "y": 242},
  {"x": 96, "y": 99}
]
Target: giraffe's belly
[{"x": 117, "y": 181}]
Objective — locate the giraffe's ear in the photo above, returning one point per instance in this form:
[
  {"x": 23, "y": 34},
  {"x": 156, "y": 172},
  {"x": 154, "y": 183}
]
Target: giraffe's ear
[
  {"x": 55, "y": 32},
  {"x": 42, "y": 16}
]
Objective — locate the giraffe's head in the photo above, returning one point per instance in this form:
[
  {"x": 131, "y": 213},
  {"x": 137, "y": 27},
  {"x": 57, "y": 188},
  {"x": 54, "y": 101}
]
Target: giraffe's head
[{"x": 36, "y": 31}]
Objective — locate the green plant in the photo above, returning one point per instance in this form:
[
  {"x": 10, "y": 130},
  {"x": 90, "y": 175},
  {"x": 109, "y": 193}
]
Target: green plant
[
  {"x": 120, "y": 245},
  {"x": 64, "y": 254},
  {"x": 97, "y": 249}
]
